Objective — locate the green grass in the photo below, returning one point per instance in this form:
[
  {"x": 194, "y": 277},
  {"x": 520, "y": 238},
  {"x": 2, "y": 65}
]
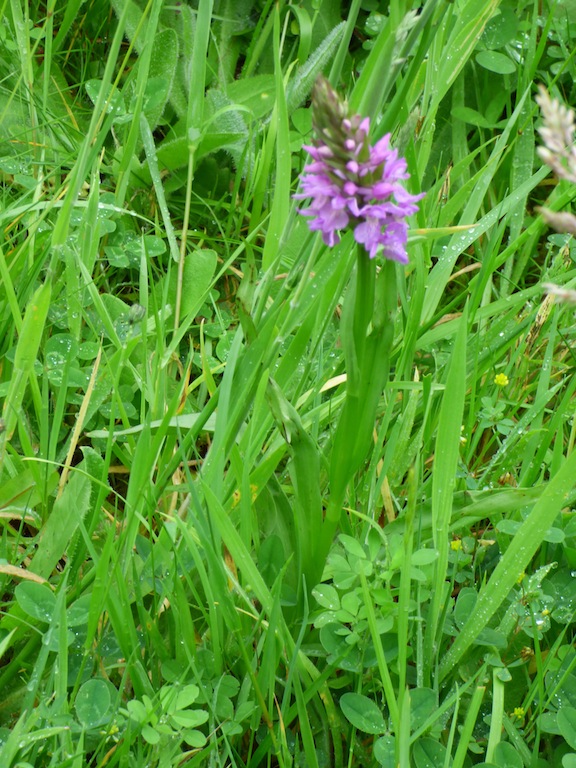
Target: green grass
[{"x": 258, "y": 505}]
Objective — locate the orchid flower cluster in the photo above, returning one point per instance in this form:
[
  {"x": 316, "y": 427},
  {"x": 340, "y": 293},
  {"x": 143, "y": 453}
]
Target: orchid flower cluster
[
  {"x": 559, "y": 153},
  {"x": 353, "y": 183},
  {"x": 557, "y": 131}
]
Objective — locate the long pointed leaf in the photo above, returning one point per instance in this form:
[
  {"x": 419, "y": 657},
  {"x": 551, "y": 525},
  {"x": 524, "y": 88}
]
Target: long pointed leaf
[{"x": 514, "y": 561}]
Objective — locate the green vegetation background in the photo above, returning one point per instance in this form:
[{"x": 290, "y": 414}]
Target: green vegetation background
[{"x": 171, "y": 377}]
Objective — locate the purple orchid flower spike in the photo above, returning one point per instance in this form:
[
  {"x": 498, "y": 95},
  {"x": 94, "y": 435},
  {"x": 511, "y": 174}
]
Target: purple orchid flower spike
[{"x": 351, "y": 183}]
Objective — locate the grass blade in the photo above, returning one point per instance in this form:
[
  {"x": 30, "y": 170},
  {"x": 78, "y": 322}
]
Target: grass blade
[
  {"x": 513, "y": 563},
  {"x": 446, "y": 456}
]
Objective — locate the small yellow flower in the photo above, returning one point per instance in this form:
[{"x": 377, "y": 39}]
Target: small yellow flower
[
  {"x": 519, "y": 712},
  {"x": 545, "y": 612},
  {"x": 526, "y": 653},
  {"x": 237, "y": 495},
  {"x": 520, "y": 578},
  {"x": 456, "y": 545},
  {"x": 501, "y": 380}
]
